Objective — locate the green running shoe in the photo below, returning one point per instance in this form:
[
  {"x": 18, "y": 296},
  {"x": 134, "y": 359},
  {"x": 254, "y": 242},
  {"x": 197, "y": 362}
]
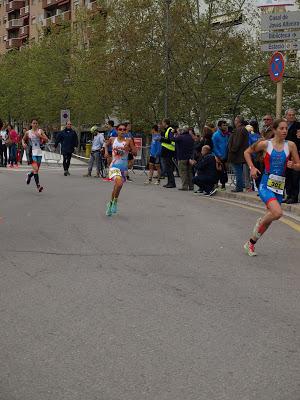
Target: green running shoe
[
  {"x": 114, "y": 207},
  {"x": 108, "y": 209},
  {"x": 250, "y": 249}
]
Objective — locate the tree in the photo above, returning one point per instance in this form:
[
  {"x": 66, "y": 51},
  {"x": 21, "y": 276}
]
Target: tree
[{"x": 116, "y": 61}]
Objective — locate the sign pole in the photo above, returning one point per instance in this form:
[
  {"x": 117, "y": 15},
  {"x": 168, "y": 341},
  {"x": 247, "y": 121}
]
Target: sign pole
[
  {"x": 276, "y": 72},
  {"x": 279, "y": 97}
]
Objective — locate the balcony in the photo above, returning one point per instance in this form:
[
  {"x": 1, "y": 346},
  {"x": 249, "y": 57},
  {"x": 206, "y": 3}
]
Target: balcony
[
  {"x": 53, "y": 3},
  {"x": 24, "y": 11},
  {"x": 93, "y": 6},
  {"x": 24, "y": 31},
  {"x": 57, "y": 19},
  {"x": 13, "y": 43},
  {"x": 14, "y": 5},
  {"x": 14, "y": 23}
]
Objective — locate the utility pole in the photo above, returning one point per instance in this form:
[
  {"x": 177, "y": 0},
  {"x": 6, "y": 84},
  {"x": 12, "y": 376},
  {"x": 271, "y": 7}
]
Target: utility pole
[
  {"x": 167, "y": 60},
  {"x": 198, "y": 9},
  {"x": 279, "y": 98}
]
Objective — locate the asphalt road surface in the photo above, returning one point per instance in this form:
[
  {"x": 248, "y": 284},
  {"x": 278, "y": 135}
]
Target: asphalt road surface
[{"x": 156, "y": 303}]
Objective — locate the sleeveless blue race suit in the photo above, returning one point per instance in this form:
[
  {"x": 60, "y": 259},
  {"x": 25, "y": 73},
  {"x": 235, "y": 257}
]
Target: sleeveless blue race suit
[{"x": 275, "y": 164}]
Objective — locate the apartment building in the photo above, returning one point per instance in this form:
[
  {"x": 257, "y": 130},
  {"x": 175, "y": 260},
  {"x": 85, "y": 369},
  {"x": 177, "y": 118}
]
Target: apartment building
[{"x": 22, "y": 21}]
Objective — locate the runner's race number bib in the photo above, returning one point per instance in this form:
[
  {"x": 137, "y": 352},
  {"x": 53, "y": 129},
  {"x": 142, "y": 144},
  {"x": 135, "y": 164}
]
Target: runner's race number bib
[
  {"x": 276, "y": 183},
  {"x": 113, "y": 172}
]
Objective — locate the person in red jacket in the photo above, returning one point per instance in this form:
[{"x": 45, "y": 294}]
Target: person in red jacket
[{"x": 13, "y": 139}]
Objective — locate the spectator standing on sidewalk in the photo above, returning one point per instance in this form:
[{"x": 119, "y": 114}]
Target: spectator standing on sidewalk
[
  {"x": 28, "y": 149},
  {"x": 13, "y": 140},
  {"x": 129, "y": 135},
  {"x": 3, "y": 144},
  {"x": 267, "y": 129},
  {"x": 155, "y": 153},
  {"x": 206, "y": 138},
  {"x": 112, "y": 132},
  {"x": 21, "y": 148},
  {"x": 238, "y": 143},
  {"x": 69, "y": 140},
  {"x": 168, "y": 152},
  {"x": 185, "y": 148},
  {"x": 220, "y": 141},
  {"x": 95, "y": 156},
  {"x": 292, "y": 176},
  {"x": 254, "y": 136}
]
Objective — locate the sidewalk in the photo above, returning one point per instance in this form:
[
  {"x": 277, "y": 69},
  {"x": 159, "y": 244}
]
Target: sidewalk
[{"x": 251, "y": 197}]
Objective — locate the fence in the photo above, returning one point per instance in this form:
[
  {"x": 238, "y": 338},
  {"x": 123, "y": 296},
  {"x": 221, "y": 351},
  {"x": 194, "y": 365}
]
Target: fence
[
  {"x": 141, "y": 162},
  {"x": 52, "y": 155}
]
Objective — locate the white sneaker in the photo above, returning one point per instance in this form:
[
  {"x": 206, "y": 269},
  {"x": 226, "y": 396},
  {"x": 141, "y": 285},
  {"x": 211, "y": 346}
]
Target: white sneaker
[{"x": 214, "y": 191}]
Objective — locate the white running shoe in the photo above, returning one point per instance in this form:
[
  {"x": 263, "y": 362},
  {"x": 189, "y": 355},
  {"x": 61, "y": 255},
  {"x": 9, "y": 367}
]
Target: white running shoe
[{"x": 250, "y": 249}]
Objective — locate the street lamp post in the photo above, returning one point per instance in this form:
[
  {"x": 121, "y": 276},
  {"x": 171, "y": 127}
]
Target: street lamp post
[
  {"x": 167, "y": 60},
  {"x": 198, "y": 9}
]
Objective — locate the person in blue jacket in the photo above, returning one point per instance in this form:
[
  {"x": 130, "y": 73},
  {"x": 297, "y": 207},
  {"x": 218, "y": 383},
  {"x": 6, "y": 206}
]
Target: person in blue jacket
[
  {"x": 220, "y": 148},
  {"x": 155, "y": 152},
  {"x": 69, "y": 140},
  {"x": 254, "y": 136}
]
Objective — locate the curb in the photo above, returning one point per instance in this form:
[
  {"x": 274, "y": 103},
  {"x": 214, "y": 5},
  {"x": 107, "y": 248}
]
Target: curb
[
  {"x": 244, "y": 197},
  {"x": 84, "y": 159}
]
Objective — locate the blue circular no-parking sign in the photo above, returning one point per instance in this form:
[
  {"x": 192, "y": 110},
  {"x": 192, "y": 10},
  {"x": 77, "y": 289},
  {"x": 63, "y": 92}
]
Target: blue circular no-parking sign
[{"x": 276, "y": 67}]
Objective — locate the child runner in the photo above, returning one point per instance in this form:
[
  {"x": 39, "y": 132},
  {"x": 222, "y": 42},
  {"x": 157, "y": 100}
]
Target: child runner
[
  {"x": 279, "y": 154},
  {"x": 155, "y": 152},
  {"x": 119, "y": 165},
  {"x": 35, "y": 137}
]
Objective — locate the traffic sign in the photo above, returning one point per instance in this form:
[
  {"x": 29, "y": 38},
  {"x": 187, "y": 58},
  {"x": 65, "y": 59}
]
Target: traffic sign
[
  {"x": 64, "y": 117},
  {"x": 277, "y": 21},
  {"x": 281, "y": 46},
  {"x": 275, "y": 36},
  {"x": 276, "y": 67}
]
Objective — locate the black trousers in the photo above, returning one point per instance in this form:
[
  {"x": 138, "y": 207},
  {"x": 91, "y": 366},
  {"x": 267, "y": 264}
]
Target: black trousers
[
  {"x": 205, "y": 183},
  {"x": 292, "y": 183},
  {"x": 3, "y": 154},
  {"x": 168, "y": 169},
  {"x": 66, "y": 161},
  {"x": 222, "y": 175}
]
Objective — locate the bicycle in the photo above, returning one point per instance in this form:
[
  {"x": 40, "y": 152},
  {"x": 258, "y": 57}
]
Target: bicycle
[{"x": 103, "y": 167}]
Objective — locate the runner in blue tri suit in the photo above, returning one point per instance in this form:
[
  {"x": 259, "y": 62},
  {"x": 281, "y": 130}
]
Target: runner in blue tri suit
[
  {"x": 279, "y": 154},
  {"x": 119, "y": 166}
]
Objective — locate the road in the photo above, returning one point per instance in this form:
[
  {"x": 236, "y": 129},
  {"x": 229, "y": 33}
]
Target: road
[{"x": 156, "y": 303}]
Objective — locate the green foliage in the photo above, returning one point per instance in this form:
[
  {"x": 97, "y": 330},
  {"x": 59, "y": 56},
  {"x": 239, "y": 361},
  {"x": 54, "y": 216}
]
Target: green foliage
[{"x": 113, "y": 63}]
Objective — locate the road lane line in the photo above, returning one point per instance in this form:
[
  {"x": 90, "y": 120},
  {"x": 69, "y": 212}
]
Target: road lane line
[{"x": 284, "y": 220}]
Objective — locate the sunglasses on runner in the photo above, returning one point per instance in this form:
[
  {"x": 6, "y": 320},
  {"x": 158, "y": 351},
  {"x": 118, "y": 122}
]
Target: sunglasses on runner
[{"x": 122, "y": 129}]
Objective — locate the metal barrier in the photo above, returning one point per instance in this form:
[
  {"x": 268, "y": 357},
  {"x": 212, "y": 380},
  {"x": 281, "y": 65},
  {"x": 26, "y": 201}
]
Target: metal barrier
[
  {"x": 141, "y": 162},
  {"x": 52, "y": 155},
  {"x": 231, "y": 175}
]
